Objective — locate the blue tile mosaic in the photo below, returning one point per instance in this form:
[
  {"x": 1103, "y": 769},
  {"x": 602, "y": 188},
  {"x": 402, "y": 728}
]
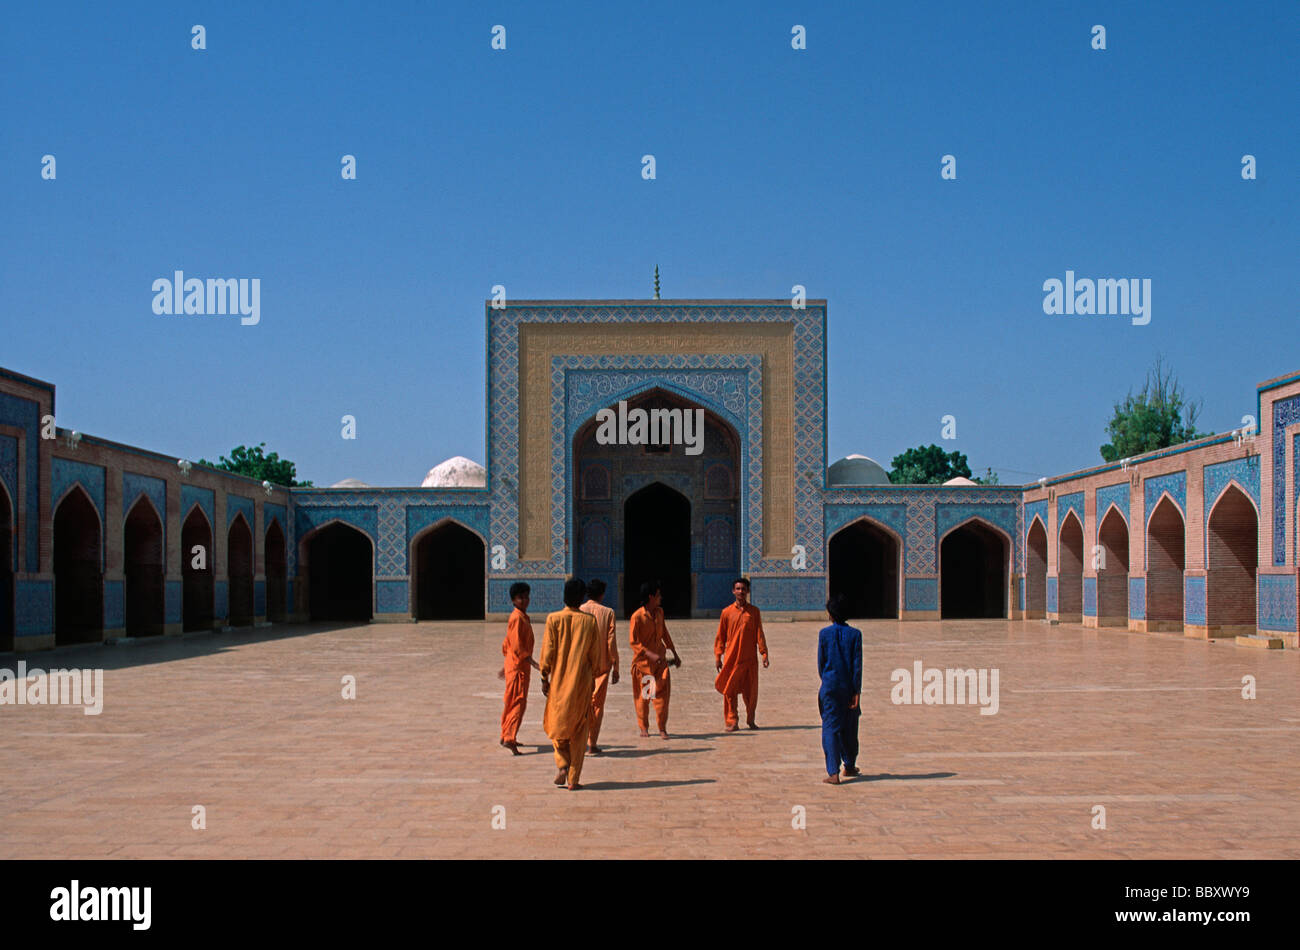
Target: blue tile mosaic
[
  {"x": 1286, "y": 412},
  {"x": 1277, "y": 602},
  {"x": 1194, "y": 600}
]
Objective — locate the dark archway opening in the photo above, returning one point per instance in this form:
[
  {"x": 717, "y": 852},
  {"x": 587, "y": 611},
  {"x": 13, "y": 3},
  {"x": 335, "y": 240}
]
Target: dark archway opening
[
  {"x": 1069, "y": 572},
  {"x": 142, "y": 563},
  {"x": 1036, "y": 571},
  {"x": 1112, "y": 571},
  {"x": 1234, "y": 561},
  {"x": 657, "y": 546},
  {"x": 277, "y": 572},
  {"x": 196, "y": 571},
  {"x": 239, "y": 572},
  {"x": 7, "y": 559},
  {"x": 340, "y": 574},
  {"x": 1166, "y": 542},
  {"x": 78, "y": 580},
  {"x": 449, "y": 581},
  {"x": 972, "y": 573},
  {"x": 864, "y": 568}
]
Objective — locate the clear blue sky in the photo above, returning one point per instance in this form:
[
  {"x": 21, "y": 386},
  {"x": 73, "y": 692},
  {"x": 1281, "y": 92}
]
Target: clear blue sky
[{"x": 522, "y": 167}]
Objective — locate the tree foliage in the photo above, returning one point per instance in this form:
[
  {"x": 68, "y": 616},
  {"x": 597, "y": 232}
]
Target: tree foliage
[
  {"x": 254, "y": 464},
  {"x": 928, "y": 465},
  {"x": 1158, "y": 416}
]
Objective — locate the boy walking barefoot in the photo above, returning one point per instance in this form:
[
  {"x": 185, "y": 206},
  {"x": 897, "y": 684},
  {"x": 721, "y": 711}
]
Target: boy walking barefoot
[{"x": 517, "y": 648}]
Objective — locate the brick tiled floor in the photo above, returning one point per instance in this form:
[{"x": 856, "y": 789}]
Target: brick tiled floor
[{"x": 252, "y": 726}]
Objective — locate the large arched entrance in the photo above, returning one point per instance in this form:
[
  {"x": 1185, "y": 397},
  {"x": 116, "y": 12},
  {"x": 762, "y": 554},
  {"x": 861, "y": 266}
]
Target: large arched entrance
[
  {"x": 340, "y": 573},
  {"x": 196, "y": 571},
  {"x": 277, "y": 572},
  {"x": 142, "y": 562},
  {"x": 1165, "y": 563},
  {"x": 1036, "y": 571},
  {"x": 657, "y": 546},
  {"x": 864, "y": 563},
  {"x": 1233, "y": 548},
  {"x": 239, "y": 572},
  {"x": 78, "y": 580},
  {"x": 449, "y": 573},
  {"x": 973, "y": 572},
  {"x": 1069, "y": 571},
  {"x": 692, "y": 544},
  {"x": 1112, "y": 571},
  {"x": 7, "y": 558}
]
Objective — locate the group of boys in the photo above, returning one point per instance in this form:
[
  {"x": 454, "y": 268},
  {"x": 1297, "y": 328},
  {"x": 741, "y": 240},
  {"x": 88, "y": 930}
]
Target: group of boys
[{"x": 579, "y": 662}]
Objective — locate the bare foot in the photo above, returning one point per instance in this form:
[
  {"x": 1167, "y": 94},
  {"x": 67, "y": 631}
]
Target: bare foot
[
  {"x": 562, "y": 777},
  {"x": 574, "y": 788},
  {"x": 850, "y": 770},
  {"x": 593, "y": 750},
  {"x": 752, "y": 725},
  {"x": 730, "y": 727},
  {"x": 512, "y": 746},
  {"x": 832, "y": 779},
  {"x": 662, "y": 734},
  {"x": 644, "y": 734}
]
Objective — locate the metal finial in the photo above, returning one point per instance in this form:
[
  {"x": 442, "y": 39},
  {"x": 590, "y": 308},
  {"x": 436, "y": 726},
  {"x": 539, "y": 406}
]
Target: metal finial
[{"x": 656, "y": 282}]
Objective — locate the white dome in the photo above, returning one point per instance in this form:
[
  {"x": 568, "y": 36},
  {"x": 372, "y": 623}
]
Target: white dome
[
  {"x": 350, "y": 483},
  {"x": 856, "y": 470},
  {"x": 960, "y": 481},
  {"x": 456, "y": 472}
]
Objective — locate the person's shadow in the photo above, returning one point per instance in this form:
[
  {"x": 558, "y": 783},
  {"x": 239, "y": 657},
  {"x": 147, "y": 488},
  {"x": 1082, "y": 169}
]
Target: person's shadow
[
  {"x": 889, "y": 776},
  {"x": 614, "y": 786},
  {"x": 630, "y": 753}
]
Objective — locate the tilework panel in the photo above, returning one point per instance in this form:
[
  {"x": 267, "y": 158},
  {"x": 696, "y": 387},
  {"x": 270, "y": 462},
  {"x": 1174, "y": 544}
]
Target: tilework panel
[
  {"x": 1194, "y": 600},
  {"x": 25, "y": 414},
  {"x": 1038, "y": 508},
  {"x": 547, "y": 595},
  {"x": 1090, "y": 596},
  {"x": 1295, "y": 464},
  {"x": 114, "y": 605},
  {"x": 392, "y": 597},
  {"x": 363, "y": 517},
  {"x": 155, "y": 489},
  {"x": 272, "y": 511},
  {"x": 1072, "y": 502},
  {"x": 419, "y": 517},
  {"x": 33, "y": 608},
  {"x": 1051, "y": 595},
  {"x": 205, "y": 498},
  {"x": 790, "y": 593},
  {"x": 1285, "y": 412},
  {"x": 503, "y": 404},
  {"x": 221, "y": 600},
  {"x": 64, "y": 473},
  {"x": 1277, "y": 602},
  {"x": 173, "y": 591},
  {"x": 1021, "y": 584},
  {"x": 239, "y": 505},
  {"x": 892, "y": 516},
  {"x": 921, "y": 593},
  {"x": 1116, "y": 495},
  {"x": 259, "y": 598},
  {"x": 1137, "y": 598},
  {"x": 730, "y": 386},
  {"x": 1175, "y": 483},
  {"x": 949, "y": 515},
  {"x": 1243, "y": 471}
]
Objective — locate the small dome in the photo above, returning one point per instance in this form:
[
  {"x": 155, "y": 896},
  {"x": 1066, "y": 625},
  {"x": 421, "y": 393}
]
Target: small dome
[
  {"x": 856, "y": 470},
  {"x": 350, "y": 483},
  {"x": 960, "y": 481},
  {"x": 456, "y": 472}
]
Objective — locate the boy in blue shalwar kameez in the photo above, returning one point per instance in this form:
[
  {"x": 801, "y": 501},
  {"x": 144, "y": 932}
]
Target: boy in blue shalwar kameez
[{"x": 839, "y": 661}]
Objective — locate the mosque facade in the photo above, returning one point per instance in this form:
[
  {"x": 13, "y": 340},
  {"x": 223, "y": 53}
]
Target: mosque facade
[{"x": 100, "y": 540}]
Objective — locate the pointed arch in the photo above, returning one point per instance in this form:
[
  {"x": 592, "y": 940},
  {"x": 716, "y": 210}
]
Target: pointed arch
[
  {"x": 143, "y": 564},
  {"x": 78, "y": 573},
  {"x": 865, "y": 563},
  {"x": 448, "y": 572},
  {"x": 974, "y": 566}
]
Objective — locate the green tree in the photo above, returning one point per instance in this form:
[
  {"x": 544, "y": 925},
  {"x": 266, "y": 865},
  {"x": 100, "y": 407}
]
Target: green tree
[
  {"x": 254, "y": 464},
  {"x": 928, "y": 465},
  {"x": 1159, "y": 416}
]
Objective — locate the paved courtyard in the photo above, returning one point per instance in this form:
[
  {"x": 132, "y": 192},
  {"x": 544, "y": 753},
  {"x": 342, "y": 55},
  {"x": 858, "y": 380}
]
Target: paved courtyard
[{"x": 252, "y": 725}]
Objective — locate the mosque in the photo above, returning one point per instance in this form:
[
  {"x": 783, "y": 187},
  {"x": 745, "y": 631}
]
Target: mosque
[{"x": 100, "y": 540}]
